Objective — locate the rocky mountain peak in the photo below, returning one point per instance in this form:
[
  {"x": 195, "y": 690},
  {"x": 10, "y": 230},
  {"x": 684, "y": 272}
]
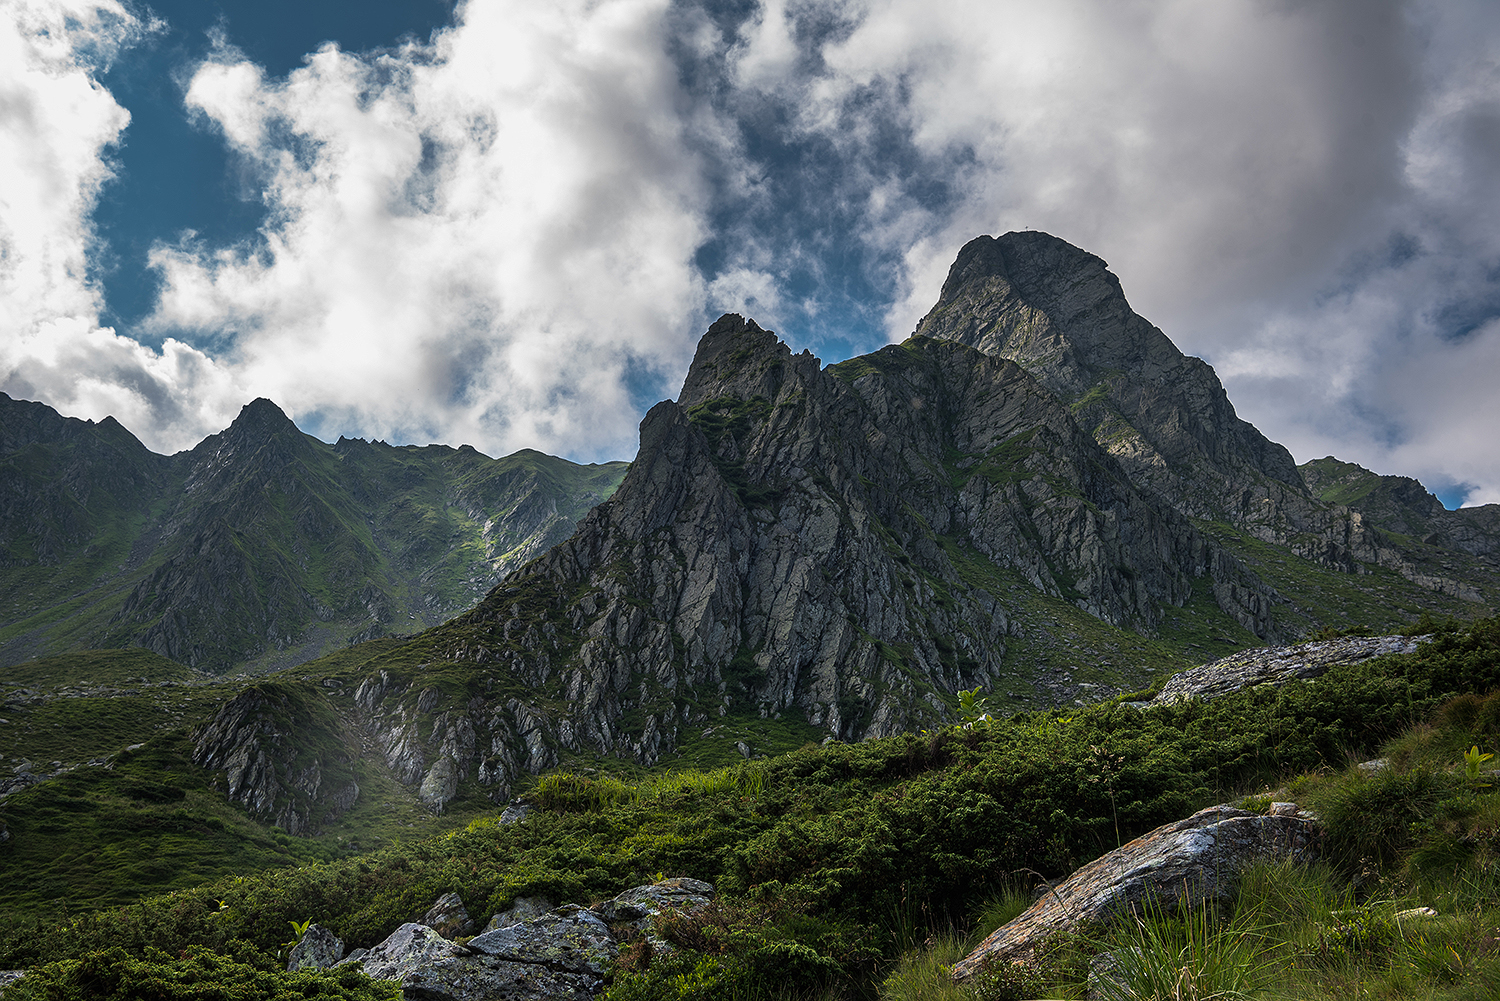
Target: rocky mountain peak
[
  {"x": 261, "y": 419},
  {"x": 1058, "y": 312},
  {"x": 736, "y": 358}
]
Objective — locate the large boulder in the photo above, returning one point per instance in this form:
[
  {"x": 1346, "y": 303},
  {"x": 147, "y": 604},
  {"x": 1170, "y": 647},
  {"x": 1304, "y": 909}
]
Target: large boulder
[
  {"x": 569, "y": 937},
  {"x": 642, "y": 902},
  {"x": 561, "y": 954},
  {"x": 317, "y": 949},
  {"x": 520, "y": 909},
  {"x": 409, "y": 949},
  {"x": 1196, "y": 859},
  {"x": 448, "y": 917}
]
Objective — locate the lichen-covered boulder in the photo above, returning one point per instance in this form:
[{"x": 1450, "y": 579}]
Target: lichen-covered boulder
[
  {"x": 1194, "y": 859},
  {"x": 569, "y": 937},
  {"x": 407, "y": 950},
  {"x": 486, "y": 978},
  {"x": 448, "y": 917},
  {"x": 318, "y": 949},
  {"x": 1277, "y": 666}
]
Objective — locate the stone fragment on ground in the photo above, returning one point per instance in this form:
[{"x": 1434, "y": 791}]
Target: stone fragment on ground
[
  {"x": 1198, "y": 858},
  {"x": 318, "y": 949},
  {"x": 448, "y": 917},
  {"x": 645, "y": 901},
  {"x": 1276, "y": 666}
]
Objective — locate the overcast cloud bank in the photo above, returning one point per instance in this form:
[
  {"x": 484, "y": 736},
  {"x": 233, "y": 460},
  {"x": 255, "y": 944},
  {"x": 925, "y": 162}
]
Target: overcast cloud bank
[{"x": 512, "y": 233}]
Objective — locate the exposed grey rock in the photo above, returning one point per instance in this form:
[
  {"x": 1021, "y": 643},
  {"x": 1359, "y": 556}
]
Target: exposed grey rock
[
  {"x": 1061, "y": 314},
  {"x": 1195, "y": 859},
  {"x": 560, "y": 953},
  {"x": 440, "y": 784},
  {"x": 259, "y": 738},
  {"x": 569, "y": 937},
  {"x": 318, "y": 949},
  {"x": 407, "y": 950},
  {"x": 485, "y": 978},
  {"x": 515, "y": 813},
  {"x": 448, "y": 917},
  {"x": 8, "y": 977},
  {"x": 520, "y": 909},
  {"x": 786, "y": 540},
  {"x": 638, "y": 903},
  {"x": 1278, "y": 665}
]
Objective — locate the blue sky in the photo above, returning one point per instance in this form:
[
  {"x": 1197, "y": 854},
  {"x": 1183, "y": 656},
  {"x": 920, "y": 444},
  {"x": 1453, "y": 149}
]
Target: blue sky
[{"x": 506, "y": 223}]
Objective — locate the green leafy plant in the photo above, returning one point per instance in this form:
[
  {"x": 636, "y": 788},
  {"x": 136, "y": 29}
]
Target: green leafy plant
[
  {"x": 1473, "y": 761},
  {"x": 972, "y": 707}
]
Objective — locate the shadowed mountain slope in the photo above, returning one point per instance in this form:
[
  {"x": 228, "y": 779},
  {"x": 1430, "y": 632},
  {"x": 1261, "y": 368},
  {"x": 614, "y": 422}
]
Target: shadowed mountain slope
[{"x": 262, "y": 546}]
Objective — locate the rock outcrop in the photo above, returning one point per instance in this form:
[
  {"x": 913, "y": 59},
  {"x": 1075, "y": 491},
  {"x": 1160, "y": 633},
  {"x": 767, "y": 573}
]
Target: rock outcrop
[
  {"x": 1191, "y": 860},
  {"x": 1061, "y": 314},
  {"x": 317, "y": 949},
  {"x": 1277, "y": 665},
  {"x": 562, "y": 954},
  {"x": 283, "y": 755}
]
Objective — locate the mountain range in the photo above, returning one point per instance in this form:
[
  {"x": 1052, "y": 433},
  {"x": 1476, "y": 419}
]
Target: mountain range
[
  {"x": 262, "y": 547},
  {"x": 1036, "y": 495}
]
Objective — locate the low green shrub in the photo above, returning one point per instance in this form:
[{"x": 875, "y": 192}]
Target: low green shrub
[{"x": 196, "y": 975}]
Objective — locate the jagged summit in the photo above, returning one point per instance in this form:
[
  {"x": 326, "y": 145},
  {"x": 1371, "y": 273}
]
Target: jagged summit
[
  {"x": 737, "y": 357},
  {"x": 1061, "y": 314}
]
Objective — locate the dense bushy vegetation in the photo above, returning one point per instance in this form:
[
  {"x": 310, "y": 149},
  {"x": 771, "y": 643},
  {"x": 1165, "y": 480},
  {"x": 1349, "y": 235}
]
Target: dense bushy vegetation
[{"x": 832, "y": 861}]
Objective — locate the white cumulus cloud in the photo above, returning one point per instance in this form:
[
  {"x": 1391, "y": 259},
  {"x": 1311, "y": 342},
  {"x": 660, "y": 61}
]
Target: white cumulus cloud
[{"x": 487, "y": 238}]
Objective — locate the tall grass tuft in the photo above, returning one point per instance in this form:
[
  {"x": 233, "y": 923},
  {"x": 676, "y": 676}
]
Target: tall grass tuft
[{"x": 1191, "y": 956}]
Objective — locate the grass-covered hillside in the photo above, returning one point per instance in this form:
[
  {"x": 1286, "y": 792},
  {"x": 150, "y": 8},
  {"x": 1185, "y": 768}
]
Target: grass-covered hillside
[{"x": 857, "y": 871}]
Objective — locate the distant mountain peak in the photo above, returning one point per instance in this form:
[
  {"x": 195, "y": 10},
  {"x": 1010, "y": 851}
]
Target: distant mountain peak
[{"x": 262, "y": 417}]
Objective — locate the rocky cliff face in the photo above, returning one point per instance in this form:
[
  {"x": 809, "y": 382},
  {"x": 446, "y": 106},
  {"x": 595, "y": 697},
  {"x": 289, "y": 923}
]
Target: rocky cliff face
[
  {"x": 1058, "y": 312},
  {"x": 283, "y": 755},
  {"x": 262, "y": 545},
  {"x": 841, "y": 546}
]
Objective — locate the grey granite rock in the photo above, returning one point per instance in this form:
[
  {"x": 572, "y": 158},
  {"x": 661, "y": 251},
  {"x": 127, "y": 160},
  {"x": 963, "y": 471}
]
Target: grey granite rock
[
  {"x": 1277, "y": 665},
  {"x": 407, "y": 950},
  {"x": 448, "y": 917},
  {"x": 520, "y": 909},
  {"x": 677, "y": 893},
  {"x": 318, "y": 949},
  {"x": 569, "y": 937},
  {"x": 1193, "y": 859}
]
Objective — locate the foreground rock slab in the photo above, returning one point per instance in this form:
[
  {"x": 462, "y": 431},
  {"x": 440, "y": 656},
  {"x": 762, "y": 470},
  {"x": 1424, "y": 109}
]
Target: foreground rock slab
[{"x": 1195, "y": 859}]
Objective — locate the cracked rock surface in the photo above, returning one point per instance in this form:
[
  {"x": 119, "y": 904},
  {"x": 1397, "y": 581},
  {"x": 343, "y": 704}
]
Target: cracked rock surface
[{"x": 1194, "y": 859}]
